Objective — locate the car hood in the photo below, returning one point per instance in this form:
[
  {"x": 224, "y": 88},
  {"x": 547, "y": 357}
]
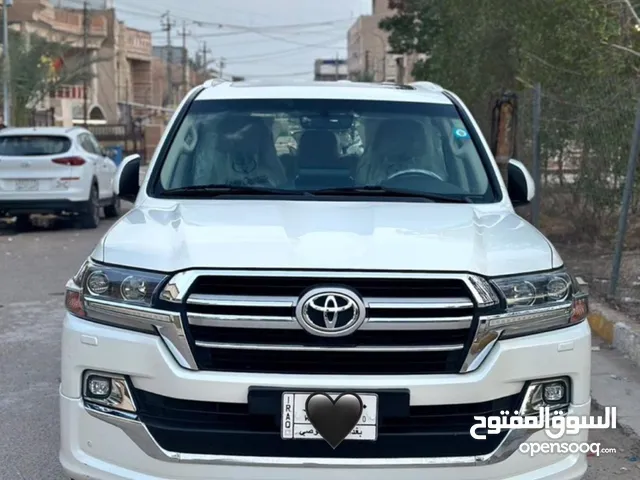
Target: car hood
[{"x": 326, "y": 235}]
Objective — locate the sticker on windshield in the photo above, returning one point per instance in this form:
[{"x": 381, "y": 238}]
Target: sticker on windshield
[{"x": 460, "y": 133}]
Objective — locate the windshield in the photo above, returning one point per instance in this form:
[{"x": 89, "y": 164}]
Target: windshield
[
  {"x": 33, "y": 145},
  {"x": 325, "y": 146}
]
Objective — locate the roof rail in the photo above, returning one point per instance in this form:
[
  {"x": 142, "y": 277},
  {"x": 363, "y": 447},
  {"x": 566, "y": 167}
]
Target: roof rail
[
  {"x": 434, "y": 87},
  {"x": 212, "y": 82}
]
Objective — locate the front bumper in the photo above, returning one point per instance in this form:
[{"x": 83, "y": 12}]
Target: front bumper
[
  {"x": 18, "y": 207},
  {"x": 108, "y": 448}
]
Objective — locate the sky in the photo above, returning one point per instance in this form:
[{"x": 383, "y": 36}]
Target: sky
[{"x": 243, "y": 33}]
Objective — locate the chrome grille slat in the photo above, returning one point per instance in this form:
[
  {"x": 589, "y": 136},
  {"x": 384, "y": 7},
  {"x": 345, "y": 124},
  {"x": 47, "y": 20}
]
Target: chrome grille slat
[
  {"x": 435, "y": 323},
  {"x": 373, "y": 323},
  {"x": 287, "y": 302},
  {"x": 419, "y": 303},
  {"x": 241, "y": 301},
  {"x": 304, "y": 348},
  {"x": 240, "y": 321}
]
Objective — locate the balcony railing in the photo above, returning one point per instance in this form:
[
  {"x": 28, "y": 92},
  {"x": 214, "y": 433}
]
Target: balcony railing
[{"x": 68, "y": 91}]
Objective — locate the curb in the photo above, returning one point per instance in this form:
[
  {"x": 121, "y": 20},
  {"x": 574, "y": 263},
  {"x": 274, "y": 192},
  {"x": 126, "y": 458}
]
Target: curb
[{"x": 616, "y": 330}]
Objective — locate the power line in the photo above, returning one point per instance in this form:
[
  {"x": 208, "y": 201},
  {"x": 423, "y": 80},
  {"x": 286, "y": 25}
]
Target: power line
[
  {"x": 244, "y": 12},
  {"x": 284, "y": 52},
  {"x": 153, "y": 13}
]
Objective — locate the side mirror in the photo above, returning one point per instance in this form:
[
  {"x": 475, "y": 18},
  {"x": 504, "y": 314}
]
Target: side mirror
[
  {"x": 520, "y": 184},
  {"x": 127, "y": 179}
]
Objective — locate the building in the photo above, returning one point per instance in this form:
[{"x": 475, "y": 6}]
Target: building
[
  {"x": 120, "y": 61},
  {"x": 368, "y": 49},
  {"x": 175, "y": 60},
  {"x": 331, "y": 69}
]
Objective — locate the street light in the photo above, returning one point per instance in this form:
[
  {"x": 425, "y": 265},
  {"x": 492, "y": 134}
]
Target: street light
[{"x": 6, "y": 61}]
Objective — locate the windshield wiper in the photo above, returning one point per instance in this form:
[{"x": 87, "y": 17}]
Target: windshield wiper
[
  {"x": 378, "y": 190},
  {"x": 222, "y": 189}
]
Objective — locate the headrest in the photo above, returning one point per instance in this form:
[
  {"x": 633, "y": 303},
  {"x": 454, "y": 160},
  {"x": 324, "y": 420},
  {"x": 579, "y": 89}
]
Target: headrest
[
  {"x": 318, "y": 146},
  {"x": 400, "y": 137}
]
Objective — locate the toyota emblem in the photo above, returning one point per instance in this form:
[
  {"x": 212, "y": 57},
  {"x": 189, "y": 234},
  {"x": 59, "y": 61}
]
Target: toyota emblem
[{"x": 330, "y": 312}]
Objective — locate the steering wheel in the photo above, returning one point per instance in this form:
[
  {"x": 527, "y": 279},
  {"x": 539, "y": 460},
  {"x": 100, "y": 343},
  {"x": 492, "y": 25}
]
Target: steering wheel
[{"x": 415, "y": 172}]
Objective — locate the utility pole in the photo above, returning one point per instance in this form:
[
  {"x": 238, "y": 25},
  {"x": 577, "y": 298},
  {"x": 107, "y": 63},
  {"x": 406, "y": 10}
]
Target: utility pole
[
  {"x": 337, "y": 67},
  {"x": 167, "y": 24},
  {"x": 184, "y": 34},
  {"x": 205, "y": 67},
  {"x": 6, "y": 62},
  {"x": 85, "y": 55},
  {"x": 222, "y": 64},
  {"x": 366, "y": 63}
]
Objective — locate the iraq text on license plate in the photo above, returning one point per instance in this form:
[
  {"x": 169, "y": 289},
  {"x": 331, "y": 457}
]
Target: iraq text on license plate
[
  {"x": 26, "y": 185},
  {"x": 296, "y": 425}
]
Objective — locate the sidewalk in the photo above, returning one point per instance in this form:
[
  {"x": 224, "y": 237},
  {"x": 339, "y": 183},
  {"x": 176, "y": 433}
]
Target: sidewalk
[{"x": 615, "y": 382}]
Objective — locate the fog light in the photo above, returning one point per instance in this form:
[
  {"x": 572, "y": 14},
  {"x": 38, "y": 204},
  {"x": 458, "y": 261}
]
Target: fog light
[
  {"x": 98, "y": 387},
  {"x": 554, "y": 392},
  {"x": 107, "y": 392}
]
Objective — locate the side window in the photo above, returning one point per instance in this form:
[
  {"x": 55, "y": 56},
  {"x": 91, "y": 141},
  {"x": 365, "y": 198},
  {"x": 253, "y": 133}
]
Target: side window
[
  {"x": 85, "y": 143},
  {"x": 96, "y": 145}
]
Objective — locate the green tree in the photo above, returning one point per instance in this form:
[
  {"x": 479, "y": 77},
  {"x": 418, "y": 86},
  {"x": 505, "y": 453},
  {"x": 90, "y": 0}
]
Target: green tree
[
  {"x": 32, "y": 77},
  {"x": 582, "y": 52}
]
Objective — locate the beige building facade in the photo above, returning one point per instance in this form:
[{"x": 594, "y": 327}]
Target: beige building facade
[
  {"x": 369, "y": 53},
  {"x": 120, "y": 65}
]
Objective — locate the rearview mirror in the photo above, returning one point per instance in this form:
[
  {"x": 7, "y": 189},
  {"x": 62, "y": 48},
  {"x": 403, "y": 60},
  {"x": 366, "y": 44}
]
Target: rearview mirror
[
  {"x": 520, "y": 184},
  {"x": 127, "y": 180}
]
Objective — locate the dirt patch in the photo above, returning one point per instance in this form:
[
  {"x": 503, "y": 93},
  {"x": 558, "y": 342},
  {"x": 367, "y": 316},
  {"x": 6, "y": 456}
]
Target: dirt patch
[{"x": 593, "y": 263}]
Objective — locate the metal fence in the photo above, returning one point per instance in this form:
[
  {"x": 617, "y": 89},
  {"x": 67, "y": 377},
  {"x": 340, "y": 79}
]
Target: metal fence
[
  {"x": 42, "y": 118},
  {"x": 582, "y": 152}
]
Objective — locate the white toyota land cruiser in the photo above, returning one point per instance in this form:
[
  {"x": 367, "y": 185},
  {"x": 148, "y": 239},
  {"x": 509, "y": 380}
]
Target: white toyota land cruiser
[{"x": 242, "y": 281}]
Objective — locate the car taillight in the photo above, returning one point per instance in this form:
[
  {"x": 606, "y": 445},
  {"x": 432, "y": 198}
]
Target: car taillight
[{"x": 70, "y": 161}]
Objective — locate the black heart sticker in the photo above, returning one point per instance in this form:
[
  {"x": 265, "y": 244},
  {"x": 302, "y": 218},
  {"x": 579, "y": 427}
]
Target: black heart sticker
[{"x": 334, "y": 420}]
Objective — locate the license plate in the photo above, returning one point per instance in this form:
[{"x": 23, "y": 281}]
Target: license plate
[
  {"x": 26, "y": 185},
  {"x": 296, "y": 425}
]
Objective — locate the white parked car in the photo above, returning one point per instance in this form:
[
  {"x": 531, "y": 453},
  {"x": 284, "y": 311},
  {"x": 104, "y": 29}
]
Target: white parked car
[
  {"x": 198, "y": 327},
  {"x": 54, "y": 170}
]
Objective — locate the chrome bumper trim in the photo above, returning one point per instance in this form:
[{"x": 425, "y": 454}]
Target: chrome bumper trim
[{"x": 140, "y": 435}]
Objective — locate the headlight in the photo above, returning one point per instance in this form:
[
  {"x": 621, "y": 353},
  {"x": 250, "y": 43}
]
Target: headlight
[
  {"x": 545, "y": 289},
  {"x": 116, "y": 296},
  {"x": 537, "y": 303}
]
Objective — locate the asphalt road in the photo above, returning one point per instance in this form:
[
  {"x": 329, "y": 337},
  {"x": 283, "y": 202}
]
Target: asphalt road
[{"x": 34, "y": 268}]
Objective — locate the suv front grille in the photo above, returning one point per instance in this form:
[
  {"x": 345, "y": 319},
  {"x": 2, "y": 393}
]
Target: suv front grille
[{"x": 248, "y": 324}]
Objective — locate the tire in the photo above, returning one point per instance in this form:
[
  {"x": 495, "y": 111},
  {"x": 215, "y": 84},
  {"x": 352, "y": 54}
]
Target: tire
[
  {"x": 113, "y": 210},
  {"x": 23, "y": 223},
  {"x": 90, "y": 216}
]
